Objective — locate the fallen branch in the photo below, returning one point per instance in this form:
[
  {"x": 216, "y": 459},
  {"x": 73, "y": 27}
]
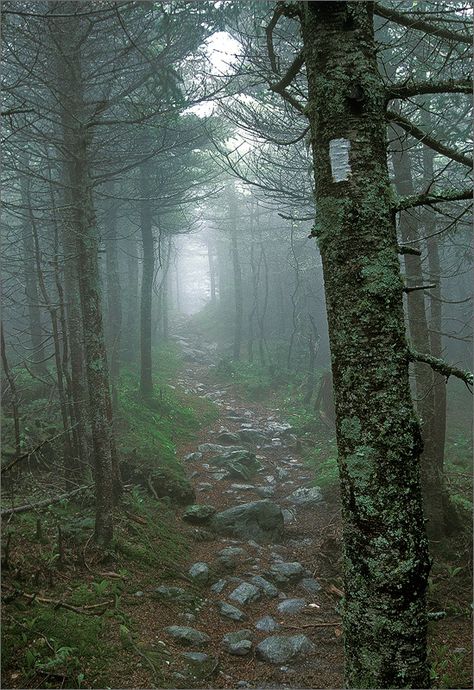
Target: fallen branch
[
  {"x": 41, "y": 505},
  {"x": 31, "y": 452},
  {"x": 442, "y": 367},
  {"x": 414, "y": 288},
  {"x": 330, "y": 624},
  {"x": 89, "y": 610}
]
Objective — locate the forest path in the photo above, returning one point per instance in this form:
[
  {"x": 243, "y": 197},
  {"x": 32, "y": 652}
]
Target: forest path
[{"x": 296, "y": 600}]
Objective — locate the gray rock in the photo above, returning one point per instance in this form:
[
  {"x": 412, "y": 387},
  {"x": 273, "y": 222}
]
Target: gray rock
[
  {"x": 245, "y": 593},
  {"x": 283, "y": 573},
  {"x": 309, "y": 584},
  {"x": 267, "y": 624},
  {"x": 198, "y": 514},
  {"x": 267, "y": 587},
  {"x": 232, "y": 552},
  {"x": 238, "y": 643},
  {"x": 218, "y": 586},
  {"x": 265, "y": 491},
  {"x": 291, "y": 606},
  {"x": 252, "y": 436},
  {"x": 165, "y": 593},
  {"x": 240, "y": 464},
  {"x": 282, "y": 474},
  {"x": 192, "y": 457},
  {"x": 280, "y": 649},
  {"x": 261, "y": 521},
  {"x": 199, "y": 573},
  {"x": 216, "y": 448},
  {"x": 229, "y": 611},
  {"x": 228, "y": 438},
  {"x": 306, "y": 496},
  {"x": 188, "y": 636},
  {"x": 199, "y": 665},
  {"x": 204, "y": 486},
  {"x": 240, "y": 648},
  {"x": 242, "y": 487},
  {"x": 288, "y": 516}
]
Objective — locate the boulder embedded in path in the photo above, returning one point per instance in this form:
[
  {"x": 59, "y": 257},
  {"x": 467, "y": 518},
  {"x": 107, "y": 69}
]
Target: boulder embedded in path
[
  {"x": 280, "y": 649},
  {"x": 261, "y": 521}
]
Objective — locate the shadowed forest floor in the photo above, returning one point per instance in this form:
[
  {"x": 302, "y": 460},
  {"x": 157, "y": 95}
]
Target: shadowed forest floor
[{"x": 116, "y": 637}]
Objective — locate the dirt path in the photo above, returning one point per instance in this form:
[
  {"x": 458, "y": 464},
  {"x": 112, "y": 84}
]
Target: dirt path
[{"x": 309, "y": 538}]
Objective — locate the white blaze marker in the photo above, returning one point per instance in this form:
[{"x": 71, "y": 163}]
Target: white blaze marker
[{"x": 339, "y": 157}]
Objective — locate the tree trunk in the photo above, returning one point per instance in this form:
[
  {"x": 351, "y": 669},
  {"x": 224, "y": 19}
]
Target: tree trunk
[
  {"x": 76, "y": 141},
  {"x": 431, "y": 478},
  {"x": 148, "y": 269},
  {"x": 386, "y": 560},
  {"x": 130, "y": 339},
  {"x": 114, "y": 301}
]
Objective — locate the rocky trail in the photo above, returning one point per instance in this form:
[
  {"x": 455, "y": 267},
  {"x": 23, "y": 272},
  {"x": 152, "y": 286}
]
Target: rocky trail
[{"x": 258, "y": 605}]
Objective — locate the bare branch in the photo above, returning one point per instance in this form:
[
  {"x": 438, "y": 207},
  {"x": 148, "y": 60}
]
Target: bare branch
[
  {"x": 421, "y": 25},
  {"x": 404, "y": 249},
  {"x": 425, "y": 138},
  {"x": 426, "y": 199},
  {"x": 442, "y": 367},
  {"x": 422, "y": 87},
  {"x": 291, "y": 73},
  {"x": 414, "y": 288}
]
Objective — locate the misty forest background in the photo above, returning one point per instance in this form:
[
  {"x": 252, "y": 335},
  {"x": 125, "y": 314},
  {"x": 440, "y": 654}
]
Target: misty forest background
[{"x": 176, "y": 239}]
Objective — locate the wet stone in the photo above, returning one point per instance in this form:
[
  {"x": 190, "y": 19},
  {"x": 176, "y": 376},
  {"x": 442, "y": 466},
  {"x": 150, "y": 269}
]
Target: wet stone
[
  {"x": 245, "y": 593},
  {"x": 281, "y": 649},
  {"x": 193, "y": 457},
  {"x": 306, "y": 496},
  {"x": 198, "y": 514},
  {"x": 270, "y": 590},
  {"x": 283, "y": 573},
  {"x": 267, "y": 624},
  {"x": 199, "y": 573},
  {"x": 229, "y": 611},
  {"x": 218, "y": 586},
  {"x": 228, "y": 438},
  {"x": 188, "y": 636},
  {"x": 291, "y": 606},
  {"x": 310, "y": 585}
]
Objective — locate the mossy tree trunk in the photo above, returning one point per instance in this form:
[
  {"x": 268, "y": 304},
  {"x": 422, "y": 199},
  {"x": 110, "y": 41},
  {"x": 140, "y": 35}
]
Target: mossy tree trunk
[
  {"x": 378, "y": 438},
  {"x": 65, "y": 41}
]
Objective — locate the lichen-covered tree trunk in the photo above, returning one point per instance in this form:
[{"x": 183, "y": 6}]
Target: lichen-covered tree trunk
[
  {"x": 130, "y": 336},
  {"x": 386, "y": 561},
  {"x": 148, "y": 269}
]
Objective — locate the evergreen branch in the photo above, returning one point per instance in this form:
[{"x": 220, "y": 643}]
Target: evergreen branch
[
  {"x": 426, "y": 139},
  {"x": 428, "y": 198},
  {"x": 422, "y": 87},
  {"x": 442, "y": 367},
  {"x": 421, "y": 25}
]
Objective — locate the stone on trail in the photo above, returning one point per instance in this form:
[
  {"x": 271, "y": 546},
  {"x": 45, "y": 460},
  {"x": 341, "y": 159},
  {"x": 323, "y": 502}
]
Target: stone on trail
[
  {"x": 198, "y": 514},
  {"x": 252, "y": 436},
  {"x": 193, "y": 457},
  {"x": 188, "y": 636},
  {"x": 228, "y": 438},
  {"x": 261, "y": 521},
  {"x": 216, "y": 448},
  {"x": 310, "y": 585},
  {"x": 199, "y": 573},
  {"x": 284, "y": 573},
  {"x": 238, "y": 643},
  {"x": 245, "y": 593},
  {"x": 218, "y": 586},
  {"x": 280, "y": 649},
  {"x": 165, "y": 593},
  {"x": 267, "y": 624},
  {"x": 265, "y": 491},
  {"x": 306, "y": 496},
  {"x": 199, "y": 665},
  {"x": 291, "y": 606},
  {"x": 229, "y": 611},
  {"x": 240, "y": 464},
  {"x": 266, "y": 587}
]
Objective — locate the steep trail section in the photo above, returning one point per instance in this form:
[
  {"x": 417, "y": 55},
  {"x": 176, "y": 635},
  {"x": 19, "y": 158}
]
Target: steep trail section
[{"x": 262, "y": 534}]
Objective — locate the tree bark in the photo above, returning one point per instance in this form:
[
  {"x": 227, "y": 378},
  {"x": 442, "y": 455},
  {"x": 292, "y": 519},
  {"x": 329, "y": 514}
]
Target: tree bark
[
  {"x": 386, "y": 561},
  {"x": 114, "y": 294},
  {"x": 148, "y": 269}
]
